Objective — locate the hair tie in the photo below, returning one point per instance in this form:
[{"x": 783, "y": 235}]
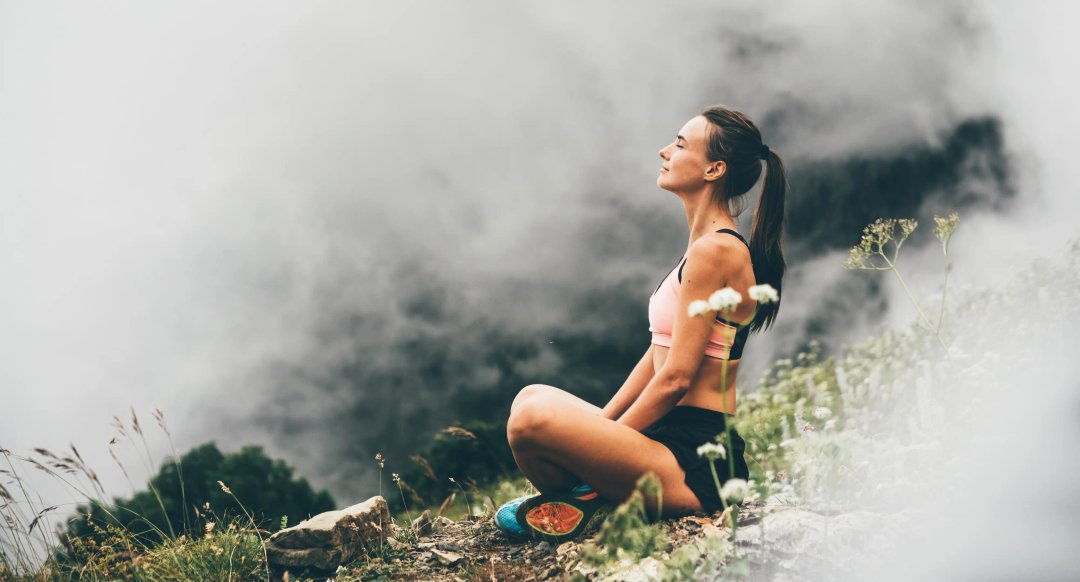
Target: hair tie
[{"x": 764, "y": 153}]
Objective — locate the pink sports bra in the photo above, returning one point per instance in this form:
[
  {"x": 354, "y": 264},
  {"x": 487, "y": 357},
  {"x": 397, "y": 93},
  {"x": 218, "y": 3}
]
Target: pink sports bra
[{"x": 728, "y": 337}]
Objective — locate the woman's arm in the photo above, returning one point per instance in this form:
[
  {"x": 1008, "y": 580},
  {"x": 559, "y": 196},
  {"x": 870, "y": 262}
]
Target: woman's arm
[
  {"x": 705, "y": 271},
  {"x": 631, "y": 388}
]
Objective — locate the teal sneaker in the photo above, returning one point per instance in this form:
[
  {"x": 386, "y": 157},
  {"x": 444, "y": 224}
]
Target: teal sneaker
[{"x": 507, "y": 522}]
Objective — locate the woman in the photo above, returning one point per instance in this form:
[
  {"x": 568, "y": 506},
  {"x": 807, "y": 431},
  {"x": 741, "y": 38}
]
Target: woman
[{"x": 682, "y": 392}]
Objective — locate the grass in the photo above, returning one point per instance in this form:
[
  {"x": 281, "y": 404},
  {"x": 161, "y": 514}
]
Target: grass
[{"x": 115, "y": 548}]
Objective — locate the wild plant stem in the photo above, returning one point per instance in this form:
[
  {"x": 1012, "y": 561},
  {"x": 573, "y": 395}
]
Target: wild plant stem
[
  {"x": 468, "y": 504},
  {"x": 255, "y": 527},
  {"x": 716, "y": 480},
  {"x": 727, "y": 425},
  {"x": 179, "y": 474},
  {"x": 405, "y": 505},
  {"x": 915, "y": 302},
  {"x": 723, "y": 502},
  {"x": 944, "y": 286}
]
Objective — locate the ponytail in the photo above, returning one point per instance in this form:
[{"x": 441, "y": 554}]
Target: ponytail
[
  {"x": 736, "y": 140},
  {"x": 766, "y": 238}
]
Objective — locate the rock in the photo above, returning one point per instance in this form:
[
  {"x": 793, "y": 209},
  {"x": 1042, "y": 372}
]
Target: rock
[
  {"x": 331, "y": 539},
  {"x": 440, "y": 523},
  {"x": 449, "y": 547},
  {"x": 446, "y": 558},
  {"x": 422, "y": 524}
]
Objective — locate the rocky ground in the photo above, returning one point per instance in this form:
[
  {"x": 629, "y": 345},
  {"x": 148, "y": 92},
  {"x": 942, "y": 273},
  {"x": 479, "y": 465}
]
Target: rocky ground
[{"x": 774, "y": 542}]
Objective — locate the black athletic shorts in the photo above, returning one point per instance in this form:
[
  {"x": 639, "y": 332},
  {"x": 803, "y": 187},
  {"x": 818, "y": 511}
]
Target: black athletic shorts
[{"x": 686, "y": 428}]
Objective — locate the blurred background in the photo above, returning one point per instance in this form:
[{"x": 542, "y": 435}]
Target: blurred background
[{"x": 333, "y": 229}]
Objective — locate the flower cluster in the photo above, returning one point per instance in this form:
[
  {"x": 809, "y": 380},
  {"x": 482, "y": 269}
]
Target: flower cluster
[
  {"x": 712, "y": 451},
  {"x": 944, "y": 227},
  {"x": 875, "y": 237},
  {"x": 727, "y": 299},
  {"x": 764, "y": 294},
  {"x": 734, "y": 490}
]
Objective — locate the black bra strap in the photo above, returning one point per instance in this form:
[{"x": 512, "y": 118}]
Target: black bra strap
[{"x": 740, "y": 237}]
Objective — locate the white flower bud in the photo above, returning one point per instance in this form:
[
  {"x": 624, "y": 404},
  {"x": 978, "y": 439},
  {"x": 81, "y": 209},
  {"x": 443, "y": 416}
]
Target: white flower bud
[
  {"x": 734, "y": 490},
  {"x": 712, "y": 451},
  {"x": 699, "y": 307},
  {"x": 725, "y": 299},
  {"x": 764, "y": 294}
]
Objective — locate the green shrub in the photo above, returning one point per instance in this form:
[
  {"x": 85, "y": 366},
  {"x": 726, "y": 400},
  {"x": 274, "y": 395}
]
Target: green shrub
[{"x": 166, "y": 511}]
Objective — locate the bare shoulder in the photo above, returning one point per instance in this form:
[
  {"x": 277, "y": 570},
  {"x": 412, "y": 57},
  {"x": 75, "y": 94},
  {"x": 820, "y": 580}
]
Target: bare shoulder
[{"x": 718, "y": 252}]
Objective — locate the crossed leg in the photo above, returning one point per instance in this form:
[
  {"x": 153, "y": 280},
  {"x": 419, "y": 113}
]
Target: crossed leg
[{"x": 559, "y": 440}]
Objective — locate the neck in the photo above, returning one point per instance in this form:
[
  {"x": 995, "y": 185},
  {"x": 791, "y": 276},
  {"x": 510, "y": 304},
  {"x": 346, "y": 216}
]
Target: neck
[{"x": 703, "y": 216}]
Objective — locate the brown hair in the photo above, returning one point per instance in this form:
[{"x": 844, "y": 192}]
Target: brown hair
[{"x": 734, "y": 139}]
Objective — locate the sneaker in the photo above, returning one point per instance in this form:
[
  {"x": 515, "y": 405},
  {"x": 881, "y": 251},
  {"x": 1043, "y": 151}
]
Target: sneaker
[{"x": 507, "y": 522}]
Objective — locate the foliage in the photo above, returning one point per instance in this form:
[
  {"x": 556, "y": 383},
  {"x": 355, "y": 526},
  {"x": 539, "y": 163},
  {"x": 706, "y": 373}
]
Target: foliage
[
  {"x": 230, "y": 552},
  {"x": 475, "y": 454},
  {"x": 627, "y": 533},
  {"x": 266, "y": 486}
]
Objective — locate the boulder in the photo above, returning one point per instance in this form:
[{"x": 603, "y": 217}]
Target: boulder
[{"x": 331, "y": 539}]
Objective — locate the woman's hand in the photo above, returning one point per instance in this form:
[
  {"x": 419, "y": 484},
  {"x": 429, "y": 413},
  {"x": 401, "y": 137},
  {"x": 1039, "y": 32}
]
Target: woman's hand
[{"x": 637, "y": 380}]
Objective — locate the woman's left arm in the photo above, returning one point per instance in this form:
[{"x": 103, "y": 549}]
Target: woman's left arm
[{"x": 705, "y": 271}]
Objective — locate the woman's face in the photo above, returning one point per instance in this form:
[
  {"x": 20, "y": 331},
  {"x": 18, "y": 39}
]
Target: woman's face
[{"x": 686, "y": 167}]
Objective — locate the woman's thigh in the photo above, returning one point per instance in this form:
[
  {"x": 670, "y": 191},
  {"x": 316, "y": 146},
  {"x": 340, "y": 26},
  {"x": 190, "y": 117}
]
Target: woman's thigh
[
  {"x": 545, "y": 391},
  {"x": 605, "y": 454}
]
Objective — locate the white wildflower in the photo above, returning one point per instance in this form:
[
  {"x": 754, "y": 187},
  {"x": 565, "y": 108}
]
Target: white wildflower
[
  {"x": 821, "y": 413},
  {"x": 712, "y": 451},
  {"x": 764, "y": 294},
  {"x": 830, "y": 424},
  {"x": 699, "y": 307},
  {"x": 734, "y": 490},
  {"x": 725, "y": 299}
]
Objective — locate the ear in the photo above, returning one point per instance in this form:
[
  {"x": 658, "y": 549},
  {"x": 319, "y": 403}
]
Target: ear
[{"x": 715, "y": 170}]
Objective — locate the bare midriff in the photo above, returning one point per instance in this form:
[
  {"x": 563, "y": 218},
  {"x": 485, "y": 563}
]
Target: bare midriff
[{"x": 707, "y": 389}]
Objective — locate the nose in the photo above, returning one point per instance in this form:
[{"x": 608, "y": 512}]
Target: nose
[{"x": 663, "y": 153}]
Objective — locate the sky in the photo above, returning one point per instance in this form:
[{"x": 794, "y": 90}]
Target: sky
[{"x": 283, "y": 223}]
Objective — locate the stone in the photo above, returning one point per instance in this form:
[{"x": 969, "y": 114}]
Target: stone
[
  {"x": 440, "y": 523},
  {"x": 446, "y": 558},
  {"x": 422, "y": 524},
  {"x": 331, "y": 539}
]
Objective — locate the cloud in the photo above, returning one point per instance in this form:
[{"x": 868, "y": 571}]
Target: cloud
[{"x": 284, "y": 222}]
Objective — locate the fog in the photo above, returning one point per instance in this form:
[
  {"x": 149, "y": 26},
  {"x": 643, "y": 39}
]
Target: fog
[{"x": 332, "y": 229}]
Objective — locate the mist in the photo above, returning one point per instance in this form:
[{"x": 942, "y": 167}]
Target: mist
[{"x": 333, "y": 229}]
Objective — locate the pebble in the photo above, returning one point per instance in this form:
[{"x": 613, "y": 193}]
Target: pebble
[{"x": 447, "y": 558}]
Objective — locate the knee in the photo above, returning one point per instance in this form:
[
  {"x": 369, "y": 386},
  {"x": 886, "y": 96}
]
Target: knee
[
  {"x": 525, "y": 394},
  {"x": 529, "y": 422}
]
